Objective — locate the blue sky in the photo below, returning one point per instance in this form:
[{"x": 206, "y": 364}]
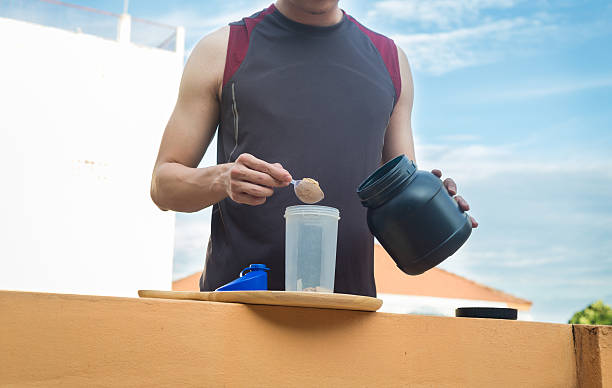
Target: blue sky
[{"x": 513, "y": 99}]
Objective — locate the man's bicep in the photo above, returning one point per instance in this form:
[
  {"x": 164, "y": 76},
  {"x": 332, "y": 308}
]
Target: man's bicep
[
  {"x": 194, "y": 120},
  {"x": 398, "y": 138}
]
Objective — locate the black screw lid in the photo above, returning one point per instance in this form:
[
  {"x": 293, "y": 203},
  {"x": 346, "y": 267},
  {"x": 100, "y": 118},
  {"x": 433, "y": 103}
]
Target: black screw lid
[
  {"x": 376, "y": 189},
  {"x": 486, "y": 312}
]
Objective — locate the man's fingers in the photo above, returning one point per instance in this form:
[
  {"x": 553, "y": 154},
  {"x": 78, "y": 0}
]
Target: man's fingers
[
  {"x": 248, "y": 199},
  {"x": 242, "y": 173},
  {"x": 474, "y": 222},
  {"x": 252, "y": 190},
  {"x": 283, "y": 168},
  {"x": 451, "y": 186},
  {"x": 275, "y": 171},
  {"x": 252, "y": 180},
  {"x": 449, "y": 183},
  {"x": 462, "y": 203}
]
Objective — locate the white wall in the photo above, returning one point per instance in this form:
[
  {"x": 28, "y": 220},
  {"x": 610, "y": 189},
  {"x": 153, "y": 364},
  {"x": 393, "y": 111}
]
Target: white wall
[{"x": 81, "y": 118}]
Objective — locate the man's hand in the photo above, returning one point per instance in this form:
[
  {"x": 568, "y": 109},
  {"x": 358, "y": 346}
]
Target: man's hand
[
  {"x": 251, "y": 181},
  {"x": 451, "y": 187}
]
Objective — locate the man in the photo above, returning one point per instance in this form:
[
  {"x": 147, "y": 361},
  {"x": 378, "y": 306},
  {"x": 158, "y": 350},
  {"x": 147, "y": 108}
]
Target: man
[{"x": 299, "y": 89}]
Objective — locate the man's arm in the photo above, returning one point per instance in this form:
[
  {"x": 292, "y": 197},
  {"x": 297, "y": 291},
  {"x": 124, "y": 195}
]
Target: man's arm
[
  {"x": 177, "y": 184},
  {"x": 399, "y": 139}
]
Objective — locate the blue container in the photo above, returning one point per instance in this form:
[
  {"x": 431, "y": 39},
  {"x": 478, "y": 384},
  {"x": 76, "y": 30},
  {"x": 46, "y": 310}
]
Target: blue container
[{"x": 252, "y": 278}]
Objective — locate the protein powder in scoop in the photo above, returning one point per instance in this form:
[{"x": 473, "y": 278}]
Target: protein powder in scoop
[{"x": 308, "y": 190}]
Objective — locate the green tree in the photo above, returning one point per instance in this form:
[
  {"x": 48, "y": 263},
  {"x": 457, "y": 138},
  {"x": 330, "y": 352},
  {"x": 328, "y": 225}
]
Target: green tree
[{"x": 596, "y": 313}]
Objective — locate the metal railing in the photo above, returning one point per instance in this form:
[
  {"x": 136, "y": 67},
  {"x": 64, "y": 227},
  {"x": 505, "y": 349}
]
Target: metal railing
[
  {"x": 87, "y": 20},
  {"x": 153, "y": 34}
]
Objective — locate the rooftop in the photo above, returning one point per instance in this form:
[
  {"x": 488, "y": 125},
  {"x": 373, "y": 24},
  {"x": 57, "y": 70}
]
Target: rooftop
[{"x": 435, "y": 282}]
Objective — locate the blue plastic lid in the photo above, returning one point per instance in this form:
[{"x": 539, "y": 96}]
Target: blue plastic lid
[
  {"x": 258, "y": 267},
  {"x": 254, "y": 267},
  {"x": 253, "y": 277}
]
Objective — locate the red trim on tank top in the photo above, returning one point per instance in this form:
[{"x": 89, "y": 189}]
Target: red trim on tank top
[
  {"x": 238, "y": 45},
  {"x": 388, "y": 51},
  {"x": 238, "y": 42}
]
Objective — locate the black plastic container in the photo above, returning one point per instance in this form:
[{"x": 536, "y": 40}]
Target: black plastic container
[{"x": 413, "y": 216}]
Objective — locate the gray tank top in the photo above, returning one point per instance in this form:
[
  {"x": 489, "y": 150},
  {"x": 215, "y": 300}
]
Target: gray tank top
[{"x": 317, "y": 100}]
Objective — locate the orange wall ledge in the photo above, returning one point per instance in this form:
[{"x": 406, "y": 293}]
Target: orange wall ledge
[{"x": 73, "y": 340}]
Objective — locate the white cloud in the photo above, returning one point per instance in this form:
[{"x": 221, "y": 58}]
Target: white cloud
[
  {"x": 476, "y": 162},
  {"x": 440, "y": 13},
  {"x": 461, "y": 137},
  {"x": 451, "y": 35},
  {"x": 514, "y": 257},
  {"x": 552, "y": 88},
  {"x": 441, "y": 52}
]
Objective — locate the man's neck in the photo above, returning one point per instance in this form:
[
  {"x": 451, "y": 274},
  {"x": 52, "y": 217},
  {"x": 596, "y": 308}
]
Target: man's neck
[{"x": 321, "y": 17}]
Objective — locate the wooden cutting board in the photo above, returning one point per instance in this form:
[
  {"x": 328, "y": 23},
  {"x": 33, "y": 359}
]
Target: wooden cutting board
[{"x": 277, "y": 298}]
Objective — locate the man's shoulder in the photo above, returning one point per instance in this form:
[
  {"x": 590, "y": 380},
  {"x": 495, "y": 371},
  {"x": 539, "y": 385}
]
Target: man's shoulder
[
  {"x": 212, "y": 51},
  {"x": 376, "y": 37},
  {"x": 388, "y": 52},
  {"x": 249, "y": 22},
  {"x": 216, "y": 40},
  {"x": 211, "y": 48},
  {"x": 207, "y": 60}
]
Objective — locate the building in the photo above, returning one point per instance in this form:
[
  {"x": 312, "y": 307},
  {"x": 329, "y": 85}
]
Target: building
[
  {"x": 82, "y": 118},
  {"x": 436, "y": 292}
]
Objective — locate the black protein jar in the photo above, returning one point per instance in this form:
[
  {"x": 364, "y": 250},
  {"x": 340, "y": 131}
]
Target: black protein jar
[{"x": 413, "y": 216}]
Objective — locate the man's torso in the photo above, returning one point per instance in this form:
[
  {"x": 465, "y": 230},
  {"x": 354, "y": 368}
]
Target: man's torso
[{"x": 318, "y": 101}]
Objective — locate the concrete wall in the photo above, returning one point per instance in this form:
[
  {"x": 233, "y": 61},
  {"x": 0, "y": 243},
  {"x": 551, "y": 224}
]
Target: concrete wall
[
  {"x": 593, "y": 355},
  {"x": 72, "y": 340},
  {"x": 81, "y": 122}
]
